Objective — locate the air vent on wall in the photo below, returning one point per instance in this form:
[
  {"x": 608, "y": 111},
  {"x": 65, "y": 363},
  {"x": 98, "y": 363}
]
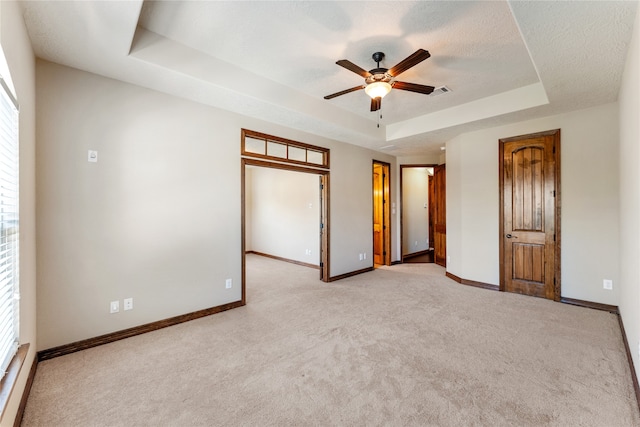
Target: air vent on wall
[{"x": 440, "y": 90}]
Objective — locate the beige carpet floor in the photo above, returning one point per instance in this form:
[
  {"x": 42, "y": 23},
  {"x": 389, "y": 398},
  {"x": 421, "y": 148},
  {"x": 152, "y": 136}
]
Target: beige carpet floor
[{"x": 402, "y": 345}]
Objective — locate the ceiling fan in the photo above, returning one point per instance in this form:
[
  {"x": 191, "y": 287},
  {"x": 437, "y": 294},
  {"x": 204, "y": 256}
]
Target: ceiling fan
[{"x": 379, "y": 81}]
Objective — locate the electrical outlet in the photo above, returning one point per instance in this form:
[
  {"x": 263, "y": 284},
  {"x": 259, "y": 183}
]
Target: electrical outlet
[
  {"x": 229, "y": 283},
  {"x": 114, "y": 307},
  {"x": 364, "y": 255},
  {"x": 607, "y": 284},
  {"x": 128, "y": 304},
  {"x": 361, "y": 257}
]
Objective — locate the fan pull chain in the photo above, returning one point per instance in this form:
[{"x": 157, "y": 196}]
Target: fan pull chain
[{"x": 379, "y": 117}]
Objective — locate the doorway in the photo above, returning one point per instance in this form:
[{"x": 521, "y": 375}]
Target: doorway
[
  {"x": 417, "y": 207},
  {"x": 530, "y": 214},
  {"x": 322, "y": 205},
  {"x": 381, "y": 214}
]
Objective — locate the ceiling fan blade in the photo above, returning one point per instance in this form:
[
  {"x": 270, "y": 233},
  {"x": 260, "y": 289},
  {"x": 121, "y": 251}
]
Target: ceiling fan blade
[
  {"x": 417, "y": 57},
  {"x": 376, "y": 104},
  {"x": 412, "y": 87},
  {"x": 353, "y": 67},
  {"x": 353, "y": 89}
]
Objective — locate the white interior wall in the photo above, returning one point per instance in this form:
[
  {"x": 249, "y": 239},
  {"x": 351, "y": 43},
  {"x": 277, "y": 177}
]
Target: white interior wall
[
  {"x": 589, "y": 191},
  {"x": 415, "y": 214},
  {"x": 158, "y": 217},
  {"x": 630, "y": 196},
  {"x": 20, "y": 60},
  {"x": 285, "y": 214}
]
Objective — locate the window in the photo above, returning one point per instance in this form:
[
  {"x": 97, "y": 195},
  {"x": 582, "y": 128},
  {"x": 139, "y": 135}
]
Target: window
[
  {"x": 9, "y": 227},
  {"x": 256, "y": 144}
]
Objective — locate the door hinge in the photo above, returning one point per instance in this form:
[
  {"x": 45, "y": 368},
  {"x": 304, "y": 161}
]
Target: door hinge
[
  {"x": 321, "y": 264},
  {"x": 321, "y": 225},
  {"x": 554, "y": 193},
  {"x": 554, "y": 237}
]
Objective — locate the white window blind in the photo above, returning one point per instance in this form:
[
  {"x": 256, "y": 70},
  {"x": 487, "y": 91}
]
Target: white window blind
[{"x": 9, "y": 226}]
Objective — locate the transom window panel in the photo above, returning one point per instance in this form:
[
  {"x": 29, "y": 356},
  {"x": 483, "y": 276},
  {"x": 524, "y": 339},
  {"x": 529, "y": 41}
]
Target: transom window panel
[
  {"x": 256, "y": 144},
  {"x": 9, "y": 227}
]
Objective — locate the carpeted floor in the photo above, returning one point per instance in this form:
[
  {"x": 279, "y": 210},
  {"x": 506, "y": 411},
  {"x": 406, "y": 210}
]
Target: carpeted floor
[{"x": 401, "y": 345}]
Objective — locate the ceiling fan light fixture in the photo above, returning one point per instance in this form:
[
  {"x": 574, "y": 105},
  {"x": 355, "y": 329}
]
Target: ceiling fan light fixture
[{"x": 377, "y": 89}]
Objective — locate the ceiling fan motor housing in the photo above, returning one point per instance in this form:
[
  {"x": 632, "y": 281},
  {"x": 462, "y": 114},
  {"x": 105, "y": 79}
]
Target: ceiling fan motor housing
[{"x": 378, "y": 75}]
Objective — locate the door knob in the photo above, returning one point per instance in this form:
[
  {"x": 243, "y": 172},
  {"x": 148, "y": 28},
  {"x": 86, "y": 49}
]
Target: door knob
[{"x": 508, "y": 236}]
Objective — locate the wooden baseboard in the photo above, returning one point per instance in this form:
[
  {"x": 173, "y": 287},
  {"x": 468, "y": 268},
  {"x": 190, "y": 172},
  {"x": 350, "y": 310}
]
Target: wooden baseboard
[
  {"x": 417, "y": 254},
  {"x": 634, "y": 377},
  {"x": 473, "y": 282},
  {"x": 292, "y": 261},
  {"x": 104, "y": 339},
  {"x": 613, "y": 309},
  {"x": 588, "y": 304},
  {"x": 127, "y": 333},
  {"x": 353, "y": 273},
  {"x": 25, "y": 393}
]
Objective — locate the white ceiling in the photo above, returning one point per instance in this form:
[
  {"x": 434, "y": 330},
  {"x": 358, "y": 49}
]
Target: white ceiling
[{"x": 504, "y": 61}]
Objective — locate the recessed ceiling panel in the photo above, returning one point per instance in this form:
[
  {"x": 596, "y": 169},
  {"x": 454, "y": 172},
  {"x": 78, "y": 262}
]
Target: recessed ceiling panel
[{"x": 475, "y": 47}]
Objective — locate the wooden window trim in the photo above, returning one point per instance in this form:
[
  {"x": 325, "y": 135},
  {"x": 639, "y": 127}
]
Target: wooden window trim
[
  {"x": 288, "y": 143},
  {"x": 11, "y": 377}
]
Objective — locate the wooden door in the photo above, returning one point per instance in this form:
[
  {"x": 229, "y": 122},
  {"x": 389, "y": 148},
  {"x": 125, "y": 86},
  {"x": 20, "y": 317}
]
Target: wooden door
[
  {"x": 378, "y": 214},
  {"x": 381, "y": 214},
  {"x": 529, "y": 249},
  {"x": 440, "y": 215},
  {"x": 324, "y": 235},
  {"x": 432, "y": 205}
]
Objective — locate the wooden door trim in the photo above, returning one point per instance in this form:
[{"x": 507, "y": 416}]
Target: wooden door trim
[
  {"x": 441, "y": 206},
  {"x": 324, "y": 194},
  {"x": 386, "y": 188},
  {"x": 557, "y": 291},
  {"x": 401, "y": 207}
]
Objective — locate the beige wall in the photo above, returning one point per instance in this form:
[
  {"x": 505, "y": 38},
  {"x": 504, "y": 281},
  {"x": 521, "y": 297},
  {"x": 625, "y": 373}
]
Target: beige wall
[
  {"x": 20, "y": 59},
  {"x": 589, "y": 187},
  {"x": 415, "y": 214},
  {"x": 284, "y": 213},
  {"x": 630, "y": 196},
  {"x": 158, "y": 217}
]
